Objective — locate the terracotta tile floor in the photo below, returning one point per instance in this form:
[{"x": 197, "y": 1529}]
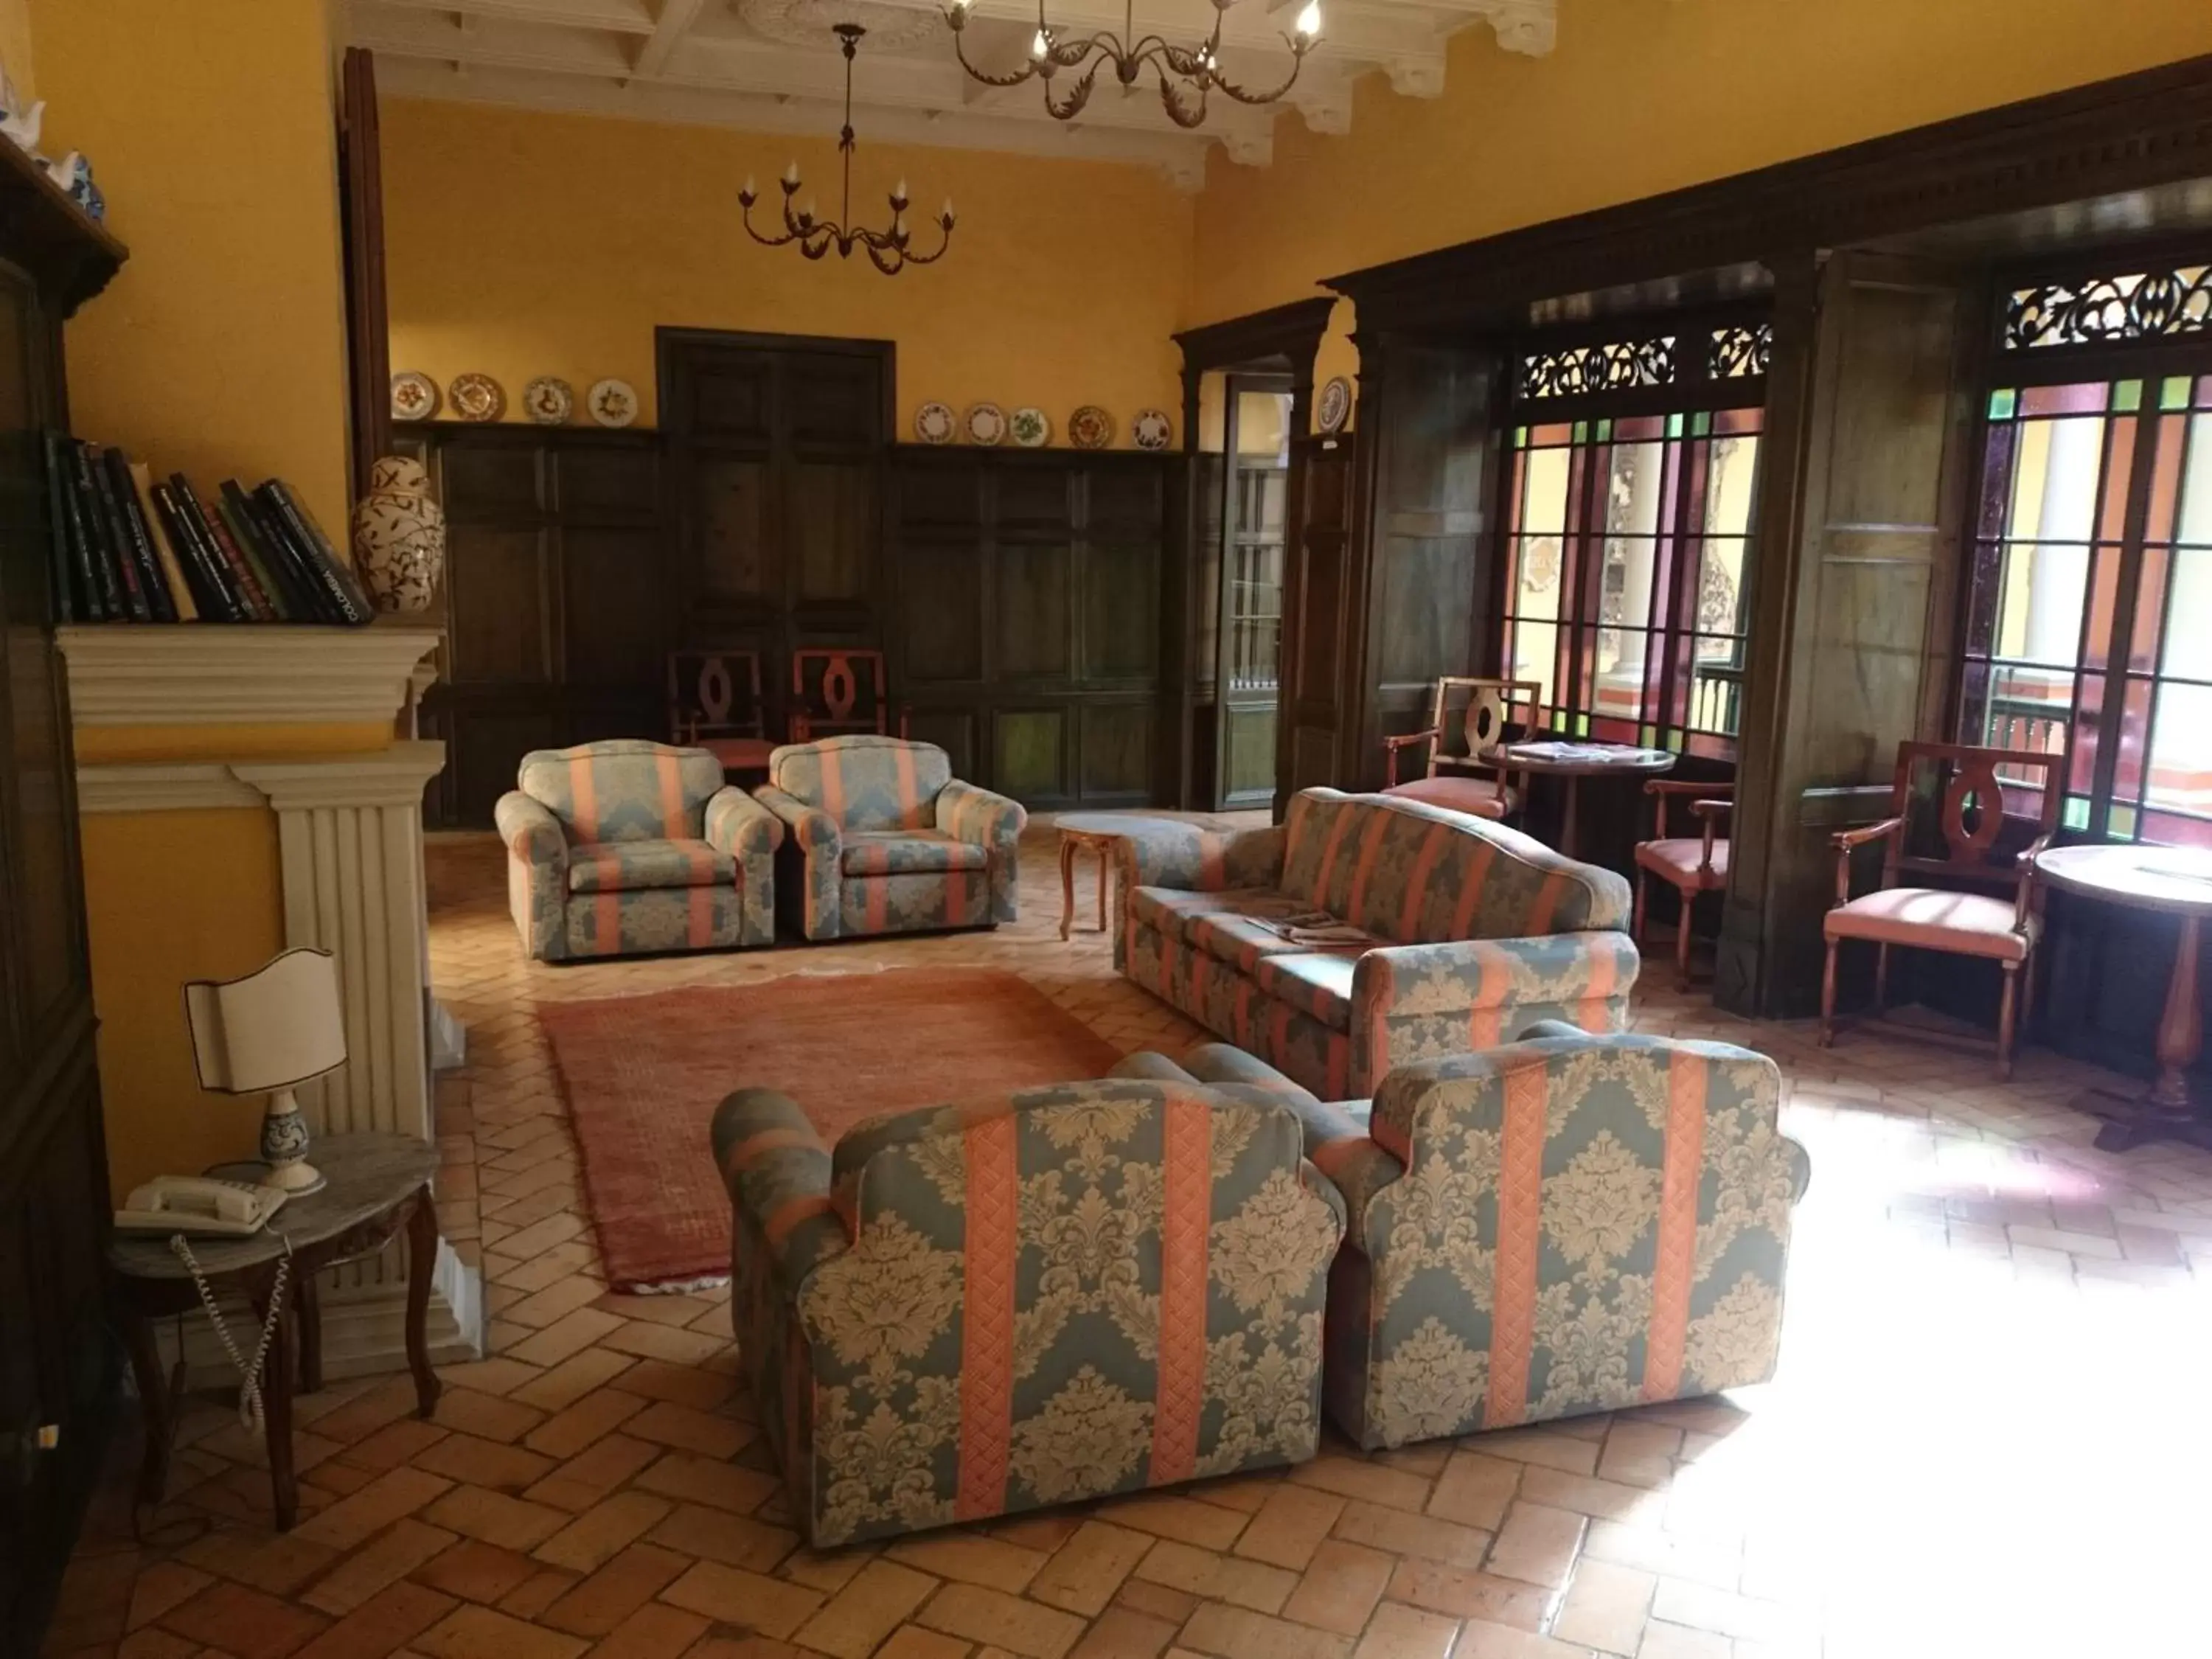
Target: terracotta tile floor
[{"x": 1988, "y": 1436}]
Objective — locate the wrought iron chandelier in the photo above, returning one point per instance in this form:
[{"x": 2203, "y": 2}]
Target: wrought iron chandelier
[
  {"x": 890, "y": 251},
  {"x": 1182, "y": 73}
]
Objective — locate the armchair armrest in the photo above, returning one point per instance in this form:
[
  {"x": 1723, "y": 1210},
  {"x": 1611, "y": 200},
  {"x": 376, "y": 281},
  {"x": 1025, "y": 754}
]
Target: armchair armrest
[
  {"x": 1707, "y": 799},
  {"x": 531, "y": 831},
  {"x": 777, "y": 1171},
  {"x": 812, "y": 828},
  {"x": 1338, "y": 1145},
  {"x": 737, "y": 824},
  {"x": 1185, "y": 857},
  {"x": 1846, "y": 842},
  {"x": 979, "y": 817},
  {"x": 1404, "y": 740},
  {"x": 1459, "y": 975},
  {"x": 2024, "y": 900}
]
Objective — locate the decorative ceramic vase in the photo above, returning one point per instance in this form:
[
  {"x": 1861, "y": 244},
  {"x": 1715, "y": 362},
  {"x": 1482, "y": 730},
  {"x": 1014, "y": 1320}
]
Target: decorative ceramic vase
[{"x": 399, "y": 536}]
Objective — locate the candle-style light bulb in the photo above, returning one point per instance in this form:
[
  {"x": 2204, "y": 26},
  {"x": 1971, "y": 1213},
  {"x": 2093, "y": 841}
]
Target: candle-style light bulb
[
  {"x": 1040, "y": 46},
  {"x": 790, "y": 174},
  {"x": 898, "y": 191},
  {"x": 748, "y": 192},
  {"x": 1310, "y": 20},
  {"x": 945, "y": 217},
  {"x": 807, "y": 212}
]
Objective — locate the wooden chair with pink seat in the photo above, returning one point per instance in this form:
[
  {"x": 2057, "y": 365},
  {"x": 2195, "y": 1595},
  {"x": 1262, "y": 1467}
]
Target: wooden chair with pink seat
[
  {"x": 840, "y": 691},
  {"x": 714, "y": 703},
  {"x": 1468, "y": 719},
  {"x": 1974, "y": 819},
  {"x": 1691, "y": 864}
]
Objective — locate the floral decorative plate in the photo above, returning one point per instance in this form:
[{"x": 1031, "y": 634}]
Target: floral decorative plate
[
  {"x": 1091, "y": 428},
  {"x": 1151, "y": 429},
  {"x": 935, "y": 423},
  {"x": 985, "y": 424},
  {"x": 414, "y": 397},
  {"x": 548, "y": 401},
  {"x": 1333, "y": 407},
  {"x": 612, "y": 402},
  {"x": 1032, "y": 427},
  {"x": 476, "y": 398}
]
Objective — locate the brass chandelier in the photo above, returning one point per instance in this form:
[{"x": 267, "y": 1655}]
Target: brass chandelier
[
  {"x": 1186, "y": 77},
  {"x": 890, "y": 251}
]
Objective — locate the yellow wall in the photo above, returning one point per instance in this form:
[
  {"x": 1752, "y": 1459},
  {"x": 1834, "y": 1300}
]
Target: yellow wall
[
  {"x": 521, "y": 244},
  {"x": 220, "y": 349},
  {"x": 1640, "y": 96},
  {"x": 171, "y": 896},
  {"x": 15, "y": 46}
]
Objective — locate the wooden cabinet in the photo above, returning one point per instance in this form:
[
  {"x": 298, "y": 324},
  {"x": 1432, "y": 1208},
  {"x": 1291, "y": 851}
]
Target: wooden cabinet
[
  {"x": 555, "y": 604},
  {"x": 57, "y": 1368},
  {"x": 1024, "y": 631}
]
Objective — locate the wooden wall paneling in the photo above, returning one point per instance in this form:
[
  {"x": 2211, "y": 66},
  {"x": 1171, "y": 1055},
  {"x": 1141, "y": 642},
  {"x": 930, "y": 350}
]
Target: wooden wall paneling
[
  {"x": 1859, "y": 517},
  {"x": 1314, "y": 640},
  {"x": 368, "y": 327}
]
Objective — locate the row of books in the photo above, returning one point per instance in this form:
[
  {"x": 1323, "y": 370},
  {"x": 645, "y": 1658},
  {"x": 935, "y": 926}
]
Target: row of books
[{"x": 130, "y": 547}]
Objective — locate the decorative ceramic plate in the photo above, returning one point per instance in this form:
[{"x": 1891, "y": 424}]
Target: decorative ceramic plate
[
  {"x": 1151, "y": 429},
  {"x": 548, "y": 401},
  {"x": 935, "y": 423},
  {"x": 612, "y": 402},
  {"x": 476, "y": 398},
  {"x": 1032, "y": 427},
  {"x": 1091, "y": 428},
  {"x": 414, "y": 396},
  {"x": 985, "y": 424},
  {"x": 1334, "y": 406}
]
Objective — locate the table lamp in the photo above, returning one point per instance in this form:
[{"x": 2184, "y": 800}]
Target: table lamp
[{"x": 274, "y": 1029}]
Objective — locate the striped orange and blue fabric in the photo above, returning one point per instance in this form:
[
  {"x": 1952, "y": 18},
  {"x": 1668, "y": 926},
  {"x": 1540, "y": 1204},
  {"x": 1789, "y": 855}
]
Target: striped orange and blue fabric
[{"x": 974, "y": 1339}]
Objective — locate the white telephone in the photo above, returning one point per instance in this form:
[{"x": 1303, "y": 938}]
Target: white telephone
[{"x": 196, "y": 1204}]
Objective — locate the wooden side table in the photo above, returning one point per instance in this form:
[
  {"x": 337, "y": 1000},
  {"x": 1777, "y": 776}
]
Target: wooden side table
[
  {"x": 1095, "y": 832},
  {"x": 2176, "y": 881},
  {"x": 1575, "y": 761},
  {"x": 377, "y": 1184}
]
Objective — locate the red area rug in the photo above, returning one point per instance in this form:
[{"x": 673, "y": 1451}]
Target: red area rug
[{"x": 643, "y": 1075}]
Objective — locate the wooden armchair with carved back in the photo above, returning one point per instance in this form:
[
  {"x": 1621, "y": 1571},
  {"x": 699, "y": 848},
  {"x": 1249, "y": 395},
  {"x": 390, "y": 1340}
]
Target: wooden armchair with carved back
[
  {"x": 1972, "y": 818},
  {"x": 840, "y": 692},
  {"x": 714, "y": 703},
  {"x": 1468, "y": 719},
  {"x": 1691, "y": 864}
]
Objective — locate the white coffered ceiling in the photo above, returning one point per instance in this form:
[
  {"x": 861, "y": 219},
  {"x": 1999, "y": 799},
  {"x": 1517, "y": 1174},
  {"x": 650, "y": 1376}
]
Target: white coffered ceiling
[{"x": 772, "y": 65}]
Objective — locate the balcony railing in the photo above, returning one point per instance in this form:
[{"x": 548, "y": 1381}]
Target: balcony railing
[{"x": 1716, "y": 698}]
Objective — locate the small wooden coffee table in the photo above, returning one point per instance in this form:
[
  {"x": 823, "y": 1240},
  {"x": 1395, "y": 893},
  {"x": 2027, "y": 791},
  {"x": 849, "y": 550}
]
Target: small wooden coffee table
[
  {"x": 1575, "y": 761},
  {"x": 2175, "y": 881},
  {"x": 377, "y": 1183}
]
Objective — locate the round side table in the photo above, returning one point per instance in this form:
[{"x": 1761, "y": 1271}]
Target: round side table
[
  {"x": 1575, "y": 761},
  {"x": 376, "y": 1184},
  {"x": 2175, "y": 881},
  {"x": 1095, "y": 832}
]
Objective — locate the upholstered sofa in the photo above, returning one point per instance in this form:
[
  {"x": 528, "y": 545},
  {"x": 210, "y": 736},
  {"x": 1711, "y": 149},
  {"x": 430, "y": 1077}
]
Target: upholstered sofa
[
  {"x": 885, "y": 840},
  {"x": 1067, "y": 1293},
  {"x": 1566, "y": 1224},
  {"x": 624, "y": 846},
  {"x": 1367, "y": 931}
]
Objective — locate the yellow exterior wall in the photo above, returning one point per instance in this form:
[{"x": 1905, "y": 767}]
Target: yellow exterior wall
[
  {"x": 171, "y": 896},
  {"x": 520, "y": 243},
  {"x": 219, "y": 348}
]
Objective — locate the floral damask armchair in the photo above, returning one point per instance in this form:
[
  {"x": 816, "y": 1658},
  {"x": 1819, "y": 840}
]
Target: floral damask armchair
[
  {"x": 1074, "y": 1291},
  {"x": 1564, "y": 1225},
  {"x": 626, "y": 846},
  {"x": 885, "y": 840}
]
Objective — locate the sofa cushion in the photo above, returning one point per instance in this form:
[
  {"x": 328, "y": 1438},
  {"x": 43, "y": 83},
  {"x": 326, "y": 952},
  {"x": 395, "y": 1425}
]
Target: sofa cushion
[
  {"x": 1415, "y": 874},
  {"x": 908, "y": 852},
  {"x": 1241, "y": 925},
  {"x": 622, "y": 790},
  {"x": 1314, "y": 982},
  {"x": 631, "y": 867},
  {"x": 865, "y": 782}
]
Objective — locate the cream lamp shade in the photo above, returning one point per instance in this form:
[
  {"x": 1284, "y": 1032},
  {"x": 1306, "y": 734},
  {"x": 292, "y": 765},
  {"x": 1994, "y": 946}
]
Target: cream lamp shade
[{"x": 278, "y": 1027}]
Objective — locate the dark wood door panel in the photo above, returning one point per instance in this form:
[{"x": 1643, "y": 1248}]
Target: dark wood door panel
[
  {"x": 732, "y": 399},
  {"x": 486, "y": 749},
  {"x": 611, "y": 589},
  {"x": 729, "y": 505},
  {"x": 952, "y": 730},
  {"x": 834, "y": 530},
  {"x": 940, "y": 614}
]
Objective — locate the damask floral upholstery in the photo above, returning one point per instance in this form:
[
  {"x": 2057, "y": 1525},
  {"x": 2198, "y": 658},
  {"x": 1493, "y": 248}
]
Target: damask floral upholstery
[
  {"x": 1074, "y": 1291},
  {"x": 885, "y": 840},
  {"x": 1568, "y": 1224},
  {"x": 624, "y": 846},
  {"x": 1367, "y": 931}
]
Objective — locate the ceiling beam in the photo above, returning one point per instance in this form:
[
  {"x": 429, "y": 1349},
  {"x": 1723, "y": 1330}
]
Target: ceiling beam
[
  {"x": 674, "y": 22},
  {"x": 622, "y": 16}
]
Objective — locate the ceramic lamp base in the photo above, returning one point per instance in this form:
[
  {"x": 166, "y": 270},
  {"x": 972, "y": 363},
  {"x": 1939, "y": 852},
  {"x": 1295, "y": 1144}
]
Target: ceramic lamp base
[{"x": 284, "y": 1148}]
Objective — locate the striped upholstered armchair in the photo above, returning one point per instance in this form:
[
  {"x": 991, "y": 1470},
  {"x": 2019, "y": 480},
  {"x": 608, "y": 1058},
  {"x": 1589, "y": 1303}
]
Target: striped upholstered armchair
[
  {"x": 1067, "y": 1292},
  {"x": 618, "y": 847},
  {"x": 885, "y": 840},
  {"x": 1567, "y": 1224}
]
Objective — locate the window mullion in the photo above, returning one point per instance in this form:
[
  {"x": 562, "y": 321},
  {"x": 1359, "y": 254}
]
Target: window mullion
[{"x": 2112, "y": 709}]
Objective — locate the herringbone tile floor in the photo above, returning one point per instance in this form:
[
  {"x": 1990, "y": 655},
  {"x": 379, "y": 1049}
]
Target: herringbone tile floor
[{"x": 1988, "y": 1435}]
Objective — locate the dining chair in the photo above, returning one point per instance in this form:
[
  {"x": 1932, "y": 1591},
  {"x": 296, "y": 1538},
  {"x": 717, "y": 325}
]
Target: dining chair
[
  {"x": 1468, "y": 718},
  {"x": 714, "y": 703},
  {"x": 1691, "y": 864},
  {"x": 1971, "y": 817},
  {"x": 839, "y": 692}
]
